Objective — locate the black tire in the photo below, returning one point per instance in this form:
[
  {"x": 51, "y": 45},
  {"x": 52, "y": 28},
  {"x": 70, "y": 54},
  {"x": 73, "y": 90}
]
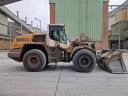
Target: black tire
[
  {"x": 84, "y": 61},
  {"x": 34, "y": 60}
]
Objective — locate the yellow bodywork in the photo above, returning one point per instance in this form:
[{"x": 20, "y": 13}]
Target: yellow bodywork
[{"x": 19, "y": 41}]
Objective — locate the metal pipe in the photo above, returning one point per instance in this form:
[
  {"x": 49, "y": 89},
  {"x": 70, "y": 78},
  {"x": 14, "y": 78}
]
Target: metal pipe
[
  {"x": 10, "y": 37},
  {"x": 40, "y": 23},
  {"x": 26, "y": 20},
  {"x": 31, "y": 23},
  {"x": 17, "y": 12},
  {"x": 119, "y": 40},
  {"x": 21, "y": 28}
]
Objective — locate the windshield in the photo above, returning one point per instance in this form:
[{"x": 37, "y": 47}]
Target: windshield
[{"x": 57, "y": 33}]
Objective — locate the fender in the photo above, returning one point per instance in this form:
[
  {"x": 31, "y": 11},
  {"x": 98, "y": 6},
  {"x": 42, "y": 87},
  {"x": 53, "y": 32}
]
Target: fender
[
  {"x": 28, "y": 47},
  {"x": 76, "y": 49}
]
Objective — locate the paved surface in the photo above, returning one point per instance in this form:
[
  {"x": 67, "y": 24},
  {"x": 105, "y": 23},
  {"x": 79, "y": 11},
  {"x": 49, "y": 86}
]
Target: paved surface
[{"x": 60, "y": 81}]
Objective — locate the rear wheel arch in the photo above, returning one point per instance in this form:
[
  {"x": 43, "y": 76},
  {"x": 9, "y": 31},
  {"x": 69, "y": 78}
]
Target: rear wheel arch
[
  {"x": 34, "y": 60},
  {"x": 76, "y": 49},
  {"x": 28, "y": 47}
]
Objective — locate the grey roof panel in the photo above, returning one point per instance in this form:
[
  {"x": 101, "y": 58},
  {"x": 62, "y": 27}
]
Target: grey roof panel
[
  {"x": 122, "y": 6},
  {"x": 4, "y": 2}
]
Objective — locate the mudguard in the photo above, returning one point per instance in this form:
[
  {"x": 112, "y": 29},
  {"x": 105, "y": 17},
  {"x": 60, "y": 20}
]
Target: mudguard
[
  {"x": 75, "y": 50},
  {"x": 80, "y": 48}
]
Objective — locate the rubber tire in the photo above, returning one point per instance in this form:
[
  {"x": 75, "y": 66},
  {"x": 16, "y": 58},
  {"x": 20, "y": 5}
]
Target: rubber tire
[
  {"x": 41, "y": 63},
  {"x": 76, "y": 57}
]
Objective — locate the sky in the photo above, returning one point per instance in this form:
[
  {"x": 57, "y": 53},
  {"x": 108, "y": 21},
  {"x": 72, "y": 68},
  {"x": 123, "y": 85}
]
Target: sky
[
  {"x": 33, "y": 9},
  {"x": 116, "y": 2}
]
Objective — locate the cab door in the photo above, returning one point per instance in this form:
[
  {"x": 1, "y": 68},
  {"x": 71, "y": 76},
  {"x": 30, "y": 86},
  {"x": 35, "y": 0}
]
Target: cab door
[{"x": 57, "y": 37}]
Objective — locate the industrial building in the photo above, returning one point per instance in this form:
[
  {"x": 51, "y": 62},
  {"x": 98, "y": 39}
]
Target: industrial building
[
  {"x": 6, "y": 26},
  {"x": 3, "y": 24},
  {"x": 8, "y": 29},
  {"x": 118, "y": 27},
  {"x": 82, "y": 16},
  {"x": 4, "y": 38}
]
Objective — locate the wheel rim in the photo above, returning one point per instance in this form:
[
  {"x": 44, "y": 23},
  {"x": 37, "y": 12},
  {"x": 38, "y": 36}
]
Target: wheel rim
[
  {"x": 33, "y": 61},
  {"x": 84, "y": 61}
]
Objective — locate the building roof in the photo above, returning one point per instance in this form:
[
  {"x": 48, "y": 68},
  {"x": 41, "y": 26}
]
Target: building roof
[
  {"x": 4, "y": 2},
  {"x": 122, "y": 6},
  {"x": 53, "y": 1}
]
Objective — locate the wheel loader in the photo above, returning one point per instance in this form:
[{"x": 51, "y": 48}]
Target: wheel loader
[{"x": 36, "y": 51}]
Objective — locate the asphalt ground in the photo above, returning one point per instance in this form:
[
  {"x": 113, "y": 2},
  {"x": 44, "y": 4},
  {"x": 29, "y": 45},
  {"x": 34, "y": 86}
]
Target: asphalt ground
[{"x": 59, "y": 81}]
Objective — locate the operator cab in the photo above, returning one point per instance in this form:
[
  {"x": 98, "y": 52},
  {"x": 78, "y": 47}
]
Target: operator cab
[{"x": 57, "y": 36}]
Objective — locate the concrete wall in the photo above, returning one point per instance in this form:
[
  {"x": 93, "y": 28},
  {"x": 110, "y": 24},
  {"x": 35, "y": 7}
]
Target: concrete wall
[
  {"x": 3, "y": 24},
  {"x": 4, "y": 40},
  {"x": 4, "y": 43}
]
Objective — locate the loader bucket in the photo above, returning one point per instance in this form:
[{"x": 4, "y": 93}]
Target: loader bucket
[{"x": 111, "y": 61}]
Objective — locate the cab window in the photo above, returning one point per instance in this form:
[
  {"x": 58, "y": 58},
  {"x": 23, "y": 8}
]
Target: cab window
[{"x": 57, "y": 33}]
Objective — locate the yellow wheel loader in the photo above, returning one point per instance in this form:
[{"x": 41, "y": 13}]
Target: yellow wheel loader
[{"x": 36, "y": 51}]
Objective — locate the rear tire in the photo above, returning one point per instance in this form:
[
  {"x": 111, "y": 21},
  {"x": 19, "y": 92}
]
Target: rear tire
[
  {"x": 84, "y": 61},
  {"x": 34, "y": 60}
]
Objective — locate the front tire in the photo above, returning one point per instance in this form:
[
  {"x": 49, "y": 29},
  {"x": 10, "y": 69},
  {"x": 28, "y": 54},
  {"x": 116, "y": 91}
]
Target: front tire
[
  {"x": 84, "y": 61},
  {"x": 34, "y": 60}
]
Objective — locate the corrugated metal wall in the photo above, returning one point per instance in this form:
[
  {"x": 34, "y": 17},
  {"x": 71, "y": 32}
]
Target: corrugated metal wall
[
  {"x": 119, "y": 29},
  {"x": 125, "y": 33},
  {"x": 80, "y": 16}
]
